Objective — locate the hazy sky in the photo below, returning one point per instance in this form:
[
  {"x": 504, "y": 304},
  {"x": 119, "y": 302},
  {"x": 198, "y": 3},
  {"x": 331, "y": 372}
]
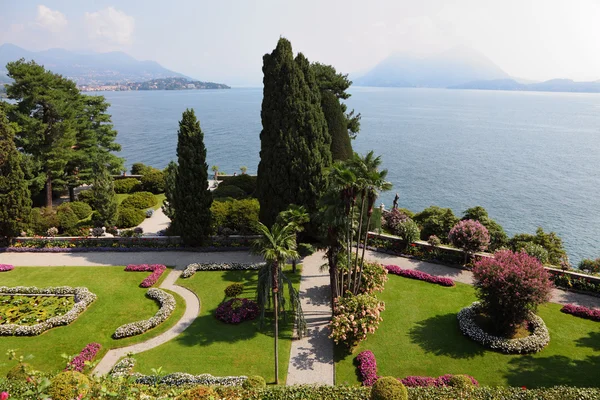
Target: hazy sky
[{"x": 224, "y": 40}]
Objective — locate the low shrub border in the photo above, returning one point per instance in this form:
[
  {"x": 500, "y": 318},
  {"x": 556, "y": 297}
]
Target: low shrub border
[
  {"x": 6, "y": 267},
  {"x": 123, "y": 368},
  {"x": 422, "y": 276},
  {"x": 428, "y": 381},
  {"x": 167, "y": 305},
  {"x": 150, "y": 280},
  {"x": 533, "y": 343},
  {"x": 87, "y": 354},
  {"x": 582, "y": 312},
  {"x": 192, "y": 268},
  {"x": 181, "y": 379},
  {"x": 82, "y": 297}
]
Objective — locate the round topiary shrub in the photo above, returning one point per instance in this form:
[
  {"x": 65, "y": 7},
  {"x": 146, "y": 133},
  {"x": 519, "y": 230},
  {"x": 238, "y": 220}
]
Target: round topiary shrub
[
  {"x": 140, "y": 200},
  {"x": 254, "y": 382},
  {"x": 86, "y": 196},
  {"x": 67, "y": 219},
  {"x": 199, "y": 393},
  {"x": 69, "y": 385},
  {"x": 154, "y": 182},
  {"x": 388, "y": 388},
  {"x": 462, "y": 382},
  {"x": 469, "y": 235},
  {"x": 129, "y": 217},
  {"x": 20, "y": 372},
  {"x": 127, "y": 185},
  {"x": 245, "y": 182},
  {"x": 81, "y": 209},
  {"x": 233, "y": 192},
  {"x": 234, "y": 290}
]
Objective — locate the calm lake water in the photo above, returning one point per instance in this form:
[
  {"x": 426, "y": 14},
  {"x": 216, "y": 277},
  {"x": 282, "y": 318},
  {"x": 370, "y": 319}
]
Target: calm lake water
[{"x": 531, "y": 159}]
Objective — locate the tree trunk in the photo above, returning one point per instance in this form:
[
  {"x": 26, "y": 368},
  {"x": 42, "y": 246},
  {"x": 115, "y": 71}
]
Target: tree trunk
[
  {"x": 71, "y": 193},
  {"x": 276, "y": 315},
  {"x": 362, "y": 260},
  {"x": 360, "y": 223},
  {"x": 48, "y": 189},
  {"x": 294, "y": 266}
]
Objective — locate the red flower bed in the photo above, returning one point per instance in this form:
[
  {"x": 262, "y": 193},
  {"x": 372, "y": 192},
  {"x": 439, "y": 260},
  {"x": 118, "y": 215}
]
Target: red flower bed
[
  {"x": 237, "y": 310},
  {"x": 157, "y": 271},
  {"x": 582, "y": 312},
  {"x": 87, "y": 354},
  {"x": 422, "y": 276}
]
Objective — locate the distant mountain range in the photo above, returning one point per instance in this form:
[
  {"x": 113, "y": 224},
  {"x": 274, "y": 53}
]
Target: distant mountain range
[
  {"x": 553, "y": 85},
  {"x": 88, "y": 68}
]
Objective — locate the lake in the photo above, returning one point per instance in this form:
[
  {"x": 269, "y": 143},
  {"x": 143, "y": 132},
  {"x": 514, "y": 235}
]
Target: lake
[{"x": 531, "y": 159}]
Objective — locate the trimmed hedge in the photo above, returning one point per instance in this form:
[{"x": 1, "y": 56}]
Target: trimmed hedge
[
  {"x": 154, "y": 182},
  {"x": 67, "y": 219},
  {"x": 86, "y": 196},
  {"x": 81, "y": 209},
  {"x": 129, "y": 217},
  {"x": 127, "y": 185},
  {"x": 245, "y": 182},
  {"x": 69, "y": 385},
  {"x": 139, "y": 200},
  {"x": 234, "y": 192}
]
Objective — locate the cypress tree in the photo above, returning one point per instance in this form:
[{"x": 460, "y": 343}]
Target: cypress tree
[
  {"x": 105, "y": 199},
  {"x": 295, "y": 143},
  {"x": 168, "y": 206},
  {"x": 341, "y": 148},
  {"x": 15, "y": 201},
  {"x": 192, "y": 198}
]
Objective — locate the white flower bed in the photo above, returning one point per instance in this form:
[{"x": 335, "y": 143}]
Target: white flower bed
[
  {"x": 167, "y": 305},
  {"x": 538, "y": 339},
  {"x": 192, "y": 268},
  {"x": 123, "y": 367},
  {"x": 82, "y": 297},
  {"x": 180, "y": 378}
]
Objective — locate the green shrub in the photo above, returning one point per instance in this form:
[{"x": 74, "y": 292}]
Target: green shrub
[
  {"x": 388, "y": 388},
  {"x": 254, "y": 382},
  {"x": 81, "y": 209},
  {"x": 199, "y": 393},
  {"x": 409, "y": 231},
  {"x": 129, "y": 217},
  {"x": 238, "y": 216},
  {"x": 67, "y": 219},
  {"x": 591, "y": 265},
  {"x": 86, "y": 196},
  {"x": 154, "y": 182},
  {"x": 234, "y": 290},
  {"x": 537, "y": 251},
  {"x": 234, "y": 192},
  {"x": 462, "y": 382},
  {"x": 20, "y": 372},
  {"x": 69, "y": 385},
  {"x": 139, "y": 200},
  {"x": 127, "y": 185},
  {"x": 436, "y": 221},
  {"x": 245, "y": 182},
  {"x": 42, "y": 219},
  {"x": 141, "y": 169},
  {"x": 305, "y": 249}
]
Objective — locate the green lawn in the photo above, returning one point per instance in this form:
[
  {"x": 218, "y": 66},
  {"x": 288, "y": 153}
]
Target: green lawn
[
  {"x": 120, "y": 300},
  {"x": 420, "y": 336},
  {"x": 211, "y": 346},
  {"x": 160, "y": 198}
]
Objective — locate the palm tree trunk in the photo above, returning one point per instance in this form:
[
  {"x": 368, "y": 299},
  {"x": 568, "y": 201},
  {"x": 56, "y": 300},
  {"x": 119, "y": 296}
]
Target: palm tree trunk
[
  {"x": 362, "y": 260},
  {"x": 360, "y": 223},
  {"x": 276, "y": 315}
]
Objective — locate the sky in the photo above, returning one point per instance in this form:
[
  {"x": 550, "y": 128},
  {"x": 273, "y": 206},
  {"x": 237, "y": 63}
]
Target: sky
[{"x": 224, "y": 40}]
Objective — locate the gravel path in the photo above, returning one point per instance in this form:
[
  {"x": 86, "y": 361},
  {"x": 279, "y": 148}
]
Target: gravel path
[
  {"x": 157, "y": 222},
  {"x": 311, "y": 358}
]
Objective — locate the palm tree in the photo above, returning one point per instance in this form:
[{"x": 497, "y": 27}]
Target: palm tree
[
  {"x": 243, "y": 169},
  {"x": 298, "y": 217},
  {"x": 276, "y": 246},
  {"x": 215, "y": 169}
]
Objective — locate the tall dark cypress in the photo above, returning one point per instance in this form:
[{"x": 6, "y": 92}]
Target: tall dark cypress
[
  {"x": 295, "y": 143},
  {"x": 192, "y": 198},
  {"x": 341, "y": 148},
  {"x": 15, "y": 201}
]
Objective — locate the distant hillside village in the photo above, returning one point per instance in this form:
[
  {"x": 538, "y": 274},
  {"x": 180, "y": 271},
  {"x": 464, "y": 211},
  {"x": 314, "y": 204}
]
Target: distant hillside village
[{"x": 155, "y": 84}]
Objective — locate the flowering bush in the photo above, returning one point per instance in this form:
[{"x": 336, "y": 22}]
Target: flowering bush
[
  {"x": 569, "y": 282},
  {"x": 354, "y": 317},
  {"x": 192, "y": 268},
  {"x": 422, "y": 276},
  {"x": 53, "y": 231},
  {"x": 87, "y": 354},
  {"x": 236, "y": 310},
  {"x": 537, "y": 251},
  {"x": 81, "y": 296},
  {"x": 533, "y": 343},
  {"x": 367, "y": 367},
  {"x": 374, "y": 276},
  {"x": 434, "y": 241},
  {"x": 180, "y": 379},
  {"x": 427, "y": 381},
  {"x": 6, "y": 267},
  {"x": 583, "y": 312},
  {"x": 469, "y": 235},
  {"x": 167, "y": 305},
  {"x": 394, "y": 218},
  {"x": 409, "y": 231},
  {"x": 592, "y": 266},
  {"x": 510, "y": 287},
  {"x": 157, "y": 271},
  {"x": 123, "y": 367}
]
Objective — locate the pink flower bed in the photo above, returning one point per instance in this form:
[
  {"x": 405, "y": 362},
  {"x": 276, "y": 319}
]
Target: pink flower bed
[
  {"x": 582, "y": 312},
  {"x": 157, "y": 271},
  {"x": 6, "y": 267},
  {"x": 237, "y": 310},
  {"x": 422, "y": 276},
  {"x": 426, "y": 381},
  {"x": 87, "y": 354}
]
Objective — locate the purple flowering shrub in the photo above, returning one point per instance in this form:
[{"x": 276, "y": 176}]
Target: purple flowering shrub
[
  {"x": 469, "y": 235},
  {"x": 421, "y": 276},
  {"x": 157, "y": 271},
  {"x": 6, "y": 267},
  {"x": 394, "y": 219},
  {"x": 237, "y": 310},
  {"x": 87, "y": 354},
  {"x": 354, "y": 317},
  {"x": 427, "y": 381},
  {"x": 582, "y": 312}
]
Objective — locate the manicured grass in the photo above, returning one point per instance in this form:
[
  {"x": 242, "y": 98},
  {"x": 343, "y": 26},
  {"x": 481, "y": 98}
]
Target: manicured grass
[
  {"x": 120, "y": 300},
  {"x": 160, "y": 198},
  {"x": 211, "y": 346},
  {"x": 420, "y": 336}
]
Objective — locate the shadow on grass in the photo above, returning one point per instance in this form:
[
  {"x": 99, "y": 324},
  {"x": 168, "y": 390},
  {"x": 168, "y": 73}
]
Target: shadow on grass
[
  {"x": 441, "y": 336},
  {"x": 534, "y": 372},
  {"x": 592, "y": 341}
]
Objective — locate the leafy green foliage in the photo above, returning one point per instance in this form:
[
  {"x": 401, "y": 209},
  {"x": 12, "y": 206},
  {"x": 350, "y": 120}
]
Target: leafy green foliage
[
  {"x": 104, "y": 197},
  {"x": 234, "y": 290},
  {"x": 537, "y": 251},
  {"x": 245, "y": 182},
  {"x": 86, "y": 196},
  {"x": 498, "y": 237},
  {"x": 20, "y": 372},
  {"x": 341, "y": 148},
  {"x": 154, "y": 182},
  {"x": 67, "y": 219},
  {"x": 140, "y": 200},
  {"x": 43, "y": 219},
  {"x": 199, "y": 393},
  {"x": 408, "y": 230},
  {"x": 462, "y": 382},
  {"x": 140, "y": 169},
  {"x": 436, "y": 221},
  {"x": 388, "y": 388},
  {"x": 69, "y": 385},
  {"x": 254, "y": 382},
  {"x": 550, "y": 241},
  {"x": 127, "y": 185},
  {"x": 81, "y": 209},
  {"x": 232, "y": 192},
  {"x": 591, "y": 265},
  {"x": 129, "y": 217},
  {"x": 235, "y": 216},
  {"x": 170, "y": 181}
]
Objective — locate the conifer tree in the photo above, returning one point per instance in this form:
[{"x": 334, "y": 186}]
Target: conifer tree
[
  {"x": 341, "y": 148},
  {"x": 192, "y": 198},
  {"x": 15, "y": 202},
  {"x": 295, "y": 143},
  {"x": 168, "y": 206},
  {"x": 105, "y": 199}
]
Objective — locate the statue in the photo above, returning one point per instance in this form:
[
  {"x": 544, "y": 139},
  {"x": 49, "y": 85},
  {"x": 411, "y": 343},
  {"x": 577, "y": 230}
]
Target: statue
[{"x": 395, "y": 204}]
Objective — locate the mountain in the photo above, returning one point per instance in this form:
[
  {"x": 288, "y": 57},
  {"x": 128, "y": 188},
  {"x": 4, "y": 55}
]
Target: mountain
[
  {"x": 450, "y": 68},
  {"x": 90, "y": 68},
  {"x": 553, "y": 85}
]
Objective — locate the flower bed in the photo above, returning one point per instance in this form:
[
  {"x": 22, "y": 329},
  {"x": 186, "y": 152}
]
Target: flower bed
[
  {"x": 157, "y": 271},
  {"x": 87, "y": 354},
  {"x": 533, "y": 343},
  {"x": 582, "y": 312},
  {"x": 428, "y": 381},
  {"x": 123, "y": 368},
  {"x": 192, "y": 268},
  {"x": 81, "y": 295},
  {"x": 6, "y": 267},
  {"x": 236, "y": 310},
  {"x": 422, "y": 276},
  {"x": 180, "y": 379},
  {"x": 167, "y": 305},
  {"x": 31, "y": 309}
]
